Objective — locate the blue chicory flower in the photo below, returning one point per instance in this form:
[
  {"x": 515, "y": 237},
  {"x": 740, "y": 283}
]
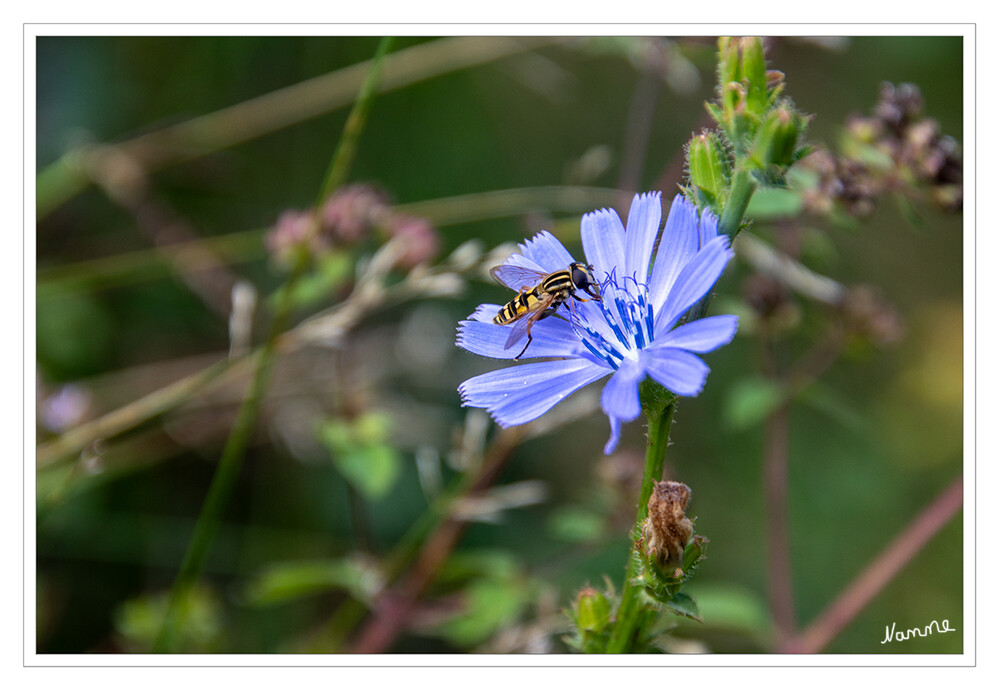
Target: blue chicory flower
[{"x": 630, "y": 334}]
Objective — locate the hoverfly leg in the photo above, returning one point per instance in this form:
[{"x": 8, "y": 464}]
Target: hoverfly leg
[{"x": 529, "y": 339}]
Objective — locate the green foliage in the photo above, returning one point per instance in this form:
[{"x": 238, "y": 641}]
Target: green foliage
[
  {"x": 362, "y": 451},
  {"x": 332, "y": 270},
  {"x": 491, "y": 591},
  {"x": 282, "y": 582},
  {"x": 771, "y": 203},
  {"x": 486, "y": 607},
  {"x": 138, "y": 622},
  {"x": 751, "y": 400},
  {"x": 63, "y": 349},
  {"x": 577, "y": 524}
]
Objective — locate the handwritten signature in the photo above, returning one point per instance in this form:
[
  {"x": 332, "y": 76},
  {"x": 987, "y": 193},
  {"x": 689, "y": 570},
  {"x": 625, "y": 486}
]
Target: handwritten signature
[{"x": 903, "y": 635}]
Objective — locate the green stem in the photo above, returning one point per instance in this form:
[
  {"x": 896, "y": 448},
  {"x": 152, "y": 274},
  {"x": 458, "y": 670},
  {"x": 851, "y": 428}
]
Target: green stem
[
  {"x": 739, "y": 195},
  {"x": 235, "y": 448},
  {"x": 660, "y": 407}
]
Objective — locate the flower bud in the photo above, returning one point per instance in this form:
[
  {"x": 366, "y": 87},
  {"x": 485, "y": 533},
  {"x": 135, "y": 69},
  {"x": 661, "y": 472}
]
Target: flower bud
[
  {"x": 729, "y": 69},
  {"x": 754, "y": 73},
  {"x": 667, "y": 530},
  {"x": 775, "y": 82},
  {"x": 777, "y": 140},
  {"x": 708, "y": 167},
  {"x": 591, "y": 610},
  {"x": 733, "y": 96}
]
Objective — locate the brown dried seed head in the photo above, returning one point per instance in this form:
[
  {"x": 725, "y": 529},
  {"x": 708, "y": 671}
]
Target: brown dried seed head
[{"x": 667, "y": 529}]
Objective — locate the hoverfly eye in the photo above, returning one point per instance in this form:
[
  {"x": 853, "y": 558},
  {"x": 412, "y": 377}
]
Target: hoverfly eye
[{"x": 580, "y": 278}]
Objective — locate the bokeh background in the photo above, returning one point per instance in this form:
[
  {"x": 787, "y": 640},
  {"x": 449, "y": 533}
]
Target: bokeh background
[{"x": 567, "y": 123}]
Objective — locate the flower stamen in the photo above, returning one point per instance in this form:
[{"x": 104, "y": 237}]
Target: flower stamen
[{"x": 629, "y": 318}]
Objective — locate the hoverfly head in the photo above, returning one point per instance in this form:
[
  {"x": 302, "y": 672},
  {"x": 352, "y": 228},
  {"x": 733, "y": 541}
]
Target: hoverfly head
[{"x": 582, "y": 279}]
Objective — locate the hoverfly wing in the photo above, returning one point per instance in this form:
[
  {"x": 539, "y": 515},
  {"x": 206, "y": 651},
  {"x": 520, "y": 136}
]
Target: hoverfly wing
[
  {"x": 518, "y": 329},
  {"x": 516, "y": 277},
  {"x": 522, "y": 325}
]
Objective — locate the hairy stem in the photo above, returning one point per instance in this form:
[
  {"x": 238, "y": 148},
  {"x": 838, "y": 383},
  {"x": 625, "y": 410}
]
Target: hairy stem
[
  {"x": 739, "y": 195},
  {"x": 660, "y": 407}
]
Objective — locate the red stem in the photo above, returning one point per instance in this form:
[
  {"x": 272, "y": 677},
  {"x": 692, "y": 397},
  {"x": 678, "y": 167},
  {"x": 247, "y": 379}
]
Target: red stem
[{"x": 880, "y": 572}]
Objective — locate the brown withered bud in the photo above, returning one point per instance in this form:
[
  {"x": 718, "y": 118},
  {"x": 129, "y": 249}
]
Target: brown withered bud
[
  {"x": 898, "y": 105},
  {"x": 859, "y": 188},
  {"x": 667, "y": 530},
  {"x": 775, "y": 78},
  {"x": 871, "y": 316},
  {"x": 765, "y": 294}
]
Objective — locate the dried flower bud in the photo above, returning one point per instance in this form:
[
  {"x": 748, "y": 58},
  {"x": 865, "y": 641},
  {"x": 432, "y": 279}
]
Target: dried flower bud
[
  {"x": 871, "y": 316},
  {"x": 765, "y": 294},
  {"x": 898, "y": 105},
  {"x": 667, "y": 530},
  {"x": 775, "y": 79}
]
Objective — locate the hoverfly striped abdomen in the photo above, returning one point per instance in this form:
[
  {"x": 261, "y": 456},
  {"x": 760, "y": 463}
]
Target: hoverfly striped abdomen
[
  {"x": 518, "y": 306},
  {"x": 543, "y": 299}
]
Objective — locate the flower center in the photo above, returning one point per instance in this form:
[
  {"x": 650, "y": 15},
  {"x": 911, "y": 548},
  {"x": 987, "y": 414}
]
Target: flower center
[{"x": 624, "y": 324}]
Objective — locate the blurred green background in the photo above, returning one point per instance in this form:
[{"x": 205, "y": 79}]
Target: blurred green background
[{"x": 876, "y": 440}]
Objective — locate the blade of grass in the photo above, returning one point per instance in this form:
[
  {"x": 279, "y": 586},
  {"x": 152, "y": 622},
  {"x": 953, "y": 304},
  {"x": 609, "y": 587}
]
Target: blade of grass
[{"x": 130, "y": 268}]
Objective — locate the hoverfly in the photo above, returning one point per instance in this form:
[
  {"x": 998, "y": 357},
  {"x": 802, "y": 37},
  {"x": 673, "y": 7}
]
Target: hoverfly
[{"x": 539, "y": 296}]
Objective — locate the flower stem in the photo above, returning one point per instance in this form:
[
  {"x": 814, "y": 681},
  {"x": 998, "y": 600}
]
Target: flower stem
[
  {"x": 743, "y": 186},
  {"x": 660, "y": 407}
]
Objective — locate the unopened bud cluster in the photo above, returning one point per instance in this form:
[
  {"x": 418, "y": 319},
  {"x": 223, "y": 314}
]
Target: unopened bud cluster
[
  {"x": 350, "y": 216},
  {"x": 759, "y": 130},
  {"x": 894, "y": 149}
]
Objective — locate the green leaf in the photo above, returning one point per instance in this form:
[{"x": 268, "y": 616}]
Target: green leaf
[
  {"x": 489, "y": 605},
  {"x": 733, "y": 608},
  {"x": 684, "y": 605},
  {"x": 750, "y": 401},
  {"x": 138, "y": 622},
  {"x": 74, "y": 335},
  {"x": 372, "y": 470},
  {"x": 288, "y": 581},
  {"x": 332, "y": 270},
  {"x": 832, "y": 404},
  {"x": 774, "y": 202},
  {"x": 468, "y": 565},
  {"x": 576, "y": 524},
  {"x": 361, "y": 452}
]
